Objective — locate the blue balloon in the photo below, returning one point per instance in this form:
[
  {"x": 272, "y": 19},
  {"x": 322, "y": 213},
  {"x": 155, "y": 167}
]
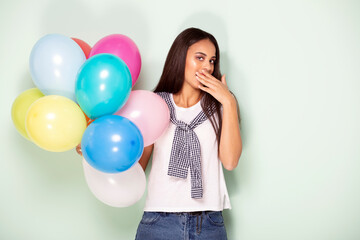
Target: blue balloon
[
  {"x": 112, "y": 144},
  {"x": 103, "y": 85},
  {"x": 54, "y": 63}
]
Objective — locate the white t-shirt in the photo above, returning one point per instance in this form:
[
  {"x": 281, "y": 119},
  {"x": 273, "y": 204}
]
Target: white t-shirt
[{"x": 172, "y": 194}]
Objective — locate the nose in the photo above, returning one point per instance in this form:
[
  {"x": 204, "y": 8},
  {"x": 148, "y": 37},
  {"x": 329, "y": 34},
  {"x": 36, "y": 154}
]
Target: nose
[{"x": 207, "y": 67}]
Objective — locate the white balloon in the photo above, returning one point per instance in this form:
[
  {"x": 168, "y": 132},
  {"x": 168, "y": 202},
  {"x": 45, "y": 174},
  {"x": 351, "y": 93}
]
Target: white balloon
[
  {"x": 54, "y": 63},
  {"x": 116, "y": 189}
]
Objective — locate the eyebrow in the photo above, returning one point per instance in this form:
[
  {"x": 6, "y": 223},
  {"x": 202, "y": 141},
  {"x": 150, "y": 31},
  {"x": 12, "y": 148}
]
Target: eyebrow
[{"x": 205, "y": 54}]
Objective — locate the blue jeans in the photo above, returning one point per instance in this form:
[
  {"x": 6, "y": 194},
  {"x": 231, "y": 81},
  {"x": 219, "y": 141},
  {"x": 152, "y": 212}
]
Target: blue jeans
[{"x": 181, "y": 226}]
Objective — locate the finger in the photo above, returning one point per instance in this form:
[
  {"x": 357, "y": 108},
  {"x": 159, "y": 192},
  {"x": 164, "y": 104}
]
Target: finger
[
  {"x": 205, "y": 82},
  {"x": 207, "y": 75},
  {"x": 205, "y": 89},
  {"x": 223, "y": 79},
  {"x": 213, "y": 83},
  {"x": 203, "y": 76}
]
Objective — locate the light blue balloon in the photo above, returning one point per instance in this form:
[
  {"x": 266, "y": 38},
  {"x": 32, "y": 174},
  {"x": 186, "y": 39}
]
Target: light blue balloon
[
  {"x": 54, "y": 63},
  {"x": 112, "y": 144},
  {"x": 103, "y": 85}
]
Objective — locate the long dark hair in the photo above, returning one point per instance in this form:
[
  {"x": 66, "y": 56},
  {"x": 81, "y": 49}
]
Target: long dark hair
[{"x": 173, "y": 74}]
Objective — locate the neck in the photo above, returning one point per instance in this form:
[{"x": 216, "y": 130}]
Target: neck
[{"x": 187, "y": 97}]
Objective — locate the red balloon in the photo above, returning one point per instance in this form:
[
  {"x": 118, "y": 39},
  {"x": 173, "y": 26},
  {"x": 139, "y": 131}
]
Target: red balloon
[{"x": 84, "y": 46}]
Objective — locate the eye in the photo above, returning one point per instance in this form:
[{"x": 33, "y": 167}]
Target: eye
[
  {"x": 200, "y": 58},
  {"x": 212, "y": 61}
]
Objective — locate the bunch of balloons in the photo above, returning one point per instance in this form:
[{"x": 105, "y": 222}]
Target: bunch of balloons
[{"x": 84, "y": 95}]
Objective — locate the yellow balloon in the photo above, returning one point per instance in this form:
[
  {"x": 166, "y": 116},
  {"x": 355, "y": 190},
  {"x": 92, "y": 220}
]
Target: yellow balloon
[
  {"x": 20, "y": 107},
  {"x": 55, "y": 123}
]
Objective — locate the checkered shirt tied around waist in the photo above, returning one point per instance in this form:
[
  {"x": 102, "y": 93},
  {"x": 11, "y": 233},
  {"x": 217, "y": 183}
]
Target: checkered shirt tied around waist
[{"x": 185, "y": 151}]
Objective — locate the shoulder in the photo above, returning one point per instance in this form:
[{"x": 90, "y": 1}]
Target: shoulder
[{"x": 163, "y": 94}]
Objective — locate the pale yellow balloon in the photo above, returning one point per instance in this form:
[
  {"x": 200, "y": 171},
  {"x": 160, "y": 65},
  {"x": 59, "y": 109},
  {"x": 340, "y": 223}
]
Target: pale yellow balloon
[
  {"x": 20, "y": 107},
  {"x": 55, "y": 123}
]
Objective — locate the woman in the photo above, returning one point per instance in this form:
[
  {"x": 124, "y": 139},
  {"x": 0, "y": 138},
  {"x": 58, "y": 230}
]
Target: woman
[{"x": 203, "y": 136}]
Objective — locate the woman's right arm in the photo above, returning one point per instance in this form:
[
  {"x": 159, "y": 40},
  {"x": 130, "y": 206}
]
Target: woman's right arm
[{"x": 146, "y": 156}]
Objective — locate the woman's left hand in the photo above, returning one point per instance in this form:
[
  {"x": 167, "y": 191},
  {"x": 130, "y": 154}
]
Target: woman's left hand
[{"x": 218, "y": 89}]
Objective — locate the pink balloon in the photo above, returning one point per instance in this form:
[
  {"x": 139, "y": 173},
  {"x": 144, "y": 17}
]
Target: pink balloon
[
  {"x": 123, "y": 47},
  {"x": 149, "y": 112}
]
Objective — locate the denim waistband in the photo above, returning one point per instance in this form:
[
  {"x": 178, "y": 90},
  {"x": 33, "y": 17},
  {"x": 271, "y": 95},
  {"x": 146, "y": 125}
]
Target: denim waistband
[{"x": 197, "y": 213}]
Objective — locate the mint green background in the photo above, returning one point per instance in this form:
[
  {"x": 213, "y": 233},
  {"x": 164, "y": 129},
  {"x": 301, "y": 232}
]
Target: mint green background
[{"x": 295, "y": 69}]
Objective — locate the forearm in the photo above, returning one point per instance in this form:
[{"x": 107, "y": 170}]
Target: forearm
[
  {"x": 230, "y": 147},
  {"x": 143, "y": 161}
]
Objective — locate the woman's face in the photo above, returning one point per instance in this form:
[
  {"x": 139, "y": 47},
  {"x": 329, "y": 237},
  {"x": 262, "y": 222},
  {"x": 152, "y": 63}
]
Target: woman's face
[{"x": 200, "y": 56}]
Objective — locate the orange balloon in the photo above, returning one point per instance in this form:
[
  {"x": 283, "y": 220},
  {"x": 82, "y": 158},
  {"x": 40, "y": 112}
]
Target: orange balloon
[{"x": 88, "y": 120}]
